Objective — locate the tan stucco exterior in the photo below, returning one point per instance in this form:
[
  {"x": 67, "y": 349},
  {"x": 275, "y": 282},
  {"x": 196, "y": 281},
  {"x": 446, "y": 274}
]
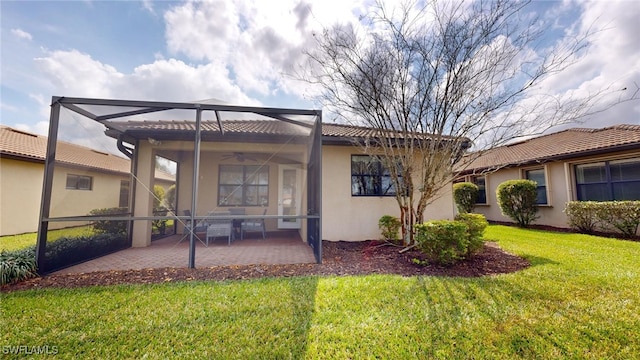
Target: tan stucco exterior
[
  {"x": 560, "y": 187},
  {"x": 20, "y": 195},
  {"x": 355, "y": 218}
]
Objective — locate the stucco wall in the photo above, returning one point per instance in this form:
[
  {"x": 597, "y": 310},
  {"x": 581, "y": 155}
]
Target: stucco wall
[
  {"x": 20, "y": 194},
  {"x": 355, "y": 218}
]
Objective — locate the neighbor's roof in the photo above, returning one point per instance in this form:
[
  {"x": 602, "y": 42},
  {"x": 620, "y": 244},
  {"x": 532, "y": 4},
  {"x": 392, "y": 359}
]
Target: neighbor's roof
[
  {"x": 570, "y": 143},
  {"x": 23, "y": 145}
]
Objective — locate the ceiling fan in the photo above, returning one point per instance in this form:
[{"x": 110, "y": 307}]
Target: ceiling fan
[{"x": 239, "y": 157}]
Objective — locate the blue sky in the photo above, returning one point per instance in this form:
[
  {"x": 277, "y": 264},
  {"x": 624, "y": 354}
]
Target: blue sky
[{"x": 236, "y": 51}]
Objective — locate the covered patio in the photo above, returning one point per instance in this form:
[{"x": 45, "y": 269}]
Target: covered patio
[
  {"x": 283, "y": 248},
  {"x": 236, "y": 168}
]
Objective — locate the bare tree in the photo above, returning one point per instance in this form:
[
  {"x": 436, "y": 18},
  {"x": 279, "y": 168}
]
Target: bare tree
[{"x": 434, "y": 78}]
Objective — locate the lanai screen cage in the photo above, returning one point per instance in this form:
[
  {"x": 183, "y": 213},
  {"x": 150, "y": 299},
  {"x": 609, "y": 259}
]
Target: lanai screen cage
[{"x": 105, "y": 157}]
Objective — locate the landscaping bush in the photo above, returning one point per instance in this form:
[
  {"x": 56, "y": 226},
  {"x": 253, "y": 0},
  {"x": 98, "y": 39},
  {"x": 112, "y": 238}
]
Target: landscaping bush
[
  {"x": 158, "y": 196},
  {"x": 443, "y": 241},
  {"x": 465, "y": 195},
  {"x": 110, "y": 226},
  {"x": 17, "y": 265},
  {"x": 623, "y": 216},
  {"x": 72, "y": 250},
  {"x": 605, "y": 216},
  {"x": 476, "y": 224},
  {"x": 170, "y": 197},
  {"x": 389, "y": 226},
  {"x": 582, "y": 215},
  {"x": 517, "y": 200}
]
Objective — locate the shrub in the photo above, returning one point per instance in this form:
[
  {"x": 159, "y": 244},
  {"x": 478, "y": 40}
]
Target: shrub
[
  {"x": 465, "y": 195},
  {"x": 110, "y": 226},
  {"x": 17, "y": 265},
  {"x": 158, "y": 196},
  {"x": 517, "y": 200},
  {"x": 476, "y": 224},
  {"x": 607, "y": 216},
  {"x": 67, "y": 251},
  {"x": 170, "y": 197},
  {"x": 582, "y": 215},
  {"x": 443, "y": 241},
  {"x": 623, "y": 216},
  {"x": 389, "y": 226}
]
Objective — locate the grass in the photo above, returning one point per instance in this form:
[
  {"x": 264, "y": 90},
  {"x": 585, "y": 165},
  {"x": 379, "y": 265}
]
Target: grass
[
  {"x": 580, "y": 299},
  {"x": 20, "y": 241}
]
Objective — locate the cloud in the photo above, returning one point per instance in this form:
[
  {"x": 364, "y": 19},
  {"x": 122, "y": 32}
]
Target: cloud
[
  {"x": 610, "y": 63},
  {"x": 22, "y": 34},
  {"x": 260, "y": 42}
]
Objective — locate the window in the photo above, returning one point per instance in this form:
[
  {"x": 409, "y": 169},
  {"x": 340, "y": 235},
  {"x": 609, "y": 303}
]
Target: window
[
  {"x": 124, "y": 193},
  {"x": 79, "y": 182},
  {"x": 244, "y": 185},
  {"x": 609, "y": 180},
  {"x": 480, "y": 182},
  {"x": 369, "y": 177},
  {"x": 537, "y": 175}
]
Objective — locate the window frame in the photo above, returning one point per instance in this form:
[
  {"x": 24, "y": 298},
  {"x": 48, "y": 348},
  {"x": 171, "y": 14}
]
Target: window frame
[
  {"x": 381, "y": 172},
  {"x": 482, "y": 190},
  {"x": 246, "y": 175},
  {"x": 608, "y": 183},
  {"x": 525, "y": 175},
  {"x": 78, "y": 182}
]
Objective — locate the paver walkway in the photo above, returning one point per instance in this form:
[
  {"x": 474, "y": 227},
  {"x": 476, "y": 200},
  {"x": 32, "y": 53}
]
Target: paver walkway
[{"x": 168, "y": 252}]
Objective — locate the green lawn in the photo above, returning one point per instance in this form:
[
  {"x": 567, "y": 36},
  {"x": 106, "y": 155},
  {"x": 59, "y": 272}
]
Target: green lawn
[
  {"x": 15, "y": 242},
  {"x": 579, "y": 300}
]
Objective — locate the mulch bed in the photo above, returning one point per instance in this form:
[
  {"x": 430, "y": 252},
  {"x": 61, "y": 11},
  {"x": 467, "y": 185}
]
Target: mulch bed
[{"x": 339, "y": 258}]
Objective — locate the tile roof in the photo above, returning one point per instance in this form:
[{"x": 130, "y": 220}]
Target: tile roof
[
  {"x": 24, "y": 145},
  {"x": 258, "y": 127},
  {"x": 570, "y": 143}
]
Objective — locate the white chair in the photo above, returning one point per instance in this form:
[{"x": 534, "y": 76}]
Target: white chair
[
  {"x": 188, "y": 225},
  {"x": 219, "y": 227},
  {"x": 253, "y": 225}
]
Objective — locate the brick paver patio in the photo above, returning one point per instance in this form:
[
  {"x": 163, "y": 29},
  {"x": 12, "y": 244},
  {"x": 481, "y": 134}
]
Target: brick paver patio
[{"x": 168, "y": 252}]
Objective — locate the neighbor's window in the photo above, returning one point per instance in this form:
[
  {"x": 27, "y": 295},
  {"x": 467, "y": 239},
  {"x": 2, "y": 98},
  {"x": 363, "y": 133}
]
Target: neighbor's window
[
  {"x": 609, "y": 180},
  {"x": 79, "y": 182},
  {"x": 480, "y": 182},
  {"x": 124, "y": 193},
  {"x": 369, "y": 177},
  {"x": 245, "y": 185},
  {"x": 537, "y": 175}
]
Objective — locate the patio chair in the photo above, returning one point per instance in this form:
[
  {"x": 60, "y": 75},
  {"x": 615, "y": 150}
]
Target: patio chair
[
  {"x": 219, "y": 227},
  {"x": 237, "y": 223},
  {"x": 254, "y": 225},
  {"x": 188, "y": 225}
]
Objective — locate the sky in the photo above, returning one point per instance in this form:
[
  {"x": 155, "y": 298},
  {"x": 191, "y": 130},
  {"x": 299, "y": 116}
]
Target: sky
[{"x": 240, "y": 52}]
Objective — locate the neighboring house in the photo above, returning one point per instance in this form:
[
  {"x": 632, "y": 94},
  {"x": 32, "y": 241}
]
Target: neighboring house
[
  {"x": 86, "y": 179},
  {"x": 574, "y": 164}
]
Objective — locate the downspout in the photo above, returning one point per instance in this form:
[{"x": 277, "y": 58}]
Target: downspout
[{"x": 127, "y": 151}]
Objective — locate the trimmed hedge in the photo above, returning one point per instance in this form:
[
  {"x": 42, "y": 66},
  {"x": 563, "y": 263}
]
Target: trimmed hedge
[
  {"x": 617, "y": 216},
  {"x": 476, "y": 224},
  {"x": 517, "y": 200},
  {"x": 447, "y": 242},
  {"x": 465, "y": 195},
  {"x": 65, "y": 252},
  {"x": 110, "y": 226}
]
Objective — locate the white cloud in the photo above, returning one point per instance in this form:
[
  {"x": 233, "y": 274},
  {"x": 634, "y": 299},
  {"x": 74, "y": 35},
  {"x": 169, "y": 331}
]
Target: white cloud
[
  {"x": 611, "y": 62},
  {"x": 22, "y": 34}
]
